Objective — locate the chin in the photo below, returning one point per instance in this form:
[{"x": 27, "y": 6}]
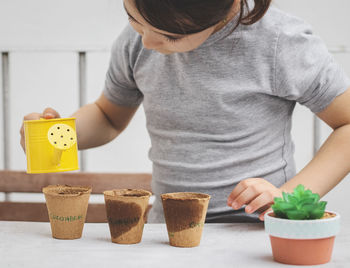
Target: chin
[{"x": 165, "y": 52}]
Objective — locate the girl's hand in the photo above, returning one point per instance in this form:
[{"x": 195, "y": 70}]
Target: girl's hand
[
  {"x": 256, "y": 193},
  {"x": 48, "y": 113}
]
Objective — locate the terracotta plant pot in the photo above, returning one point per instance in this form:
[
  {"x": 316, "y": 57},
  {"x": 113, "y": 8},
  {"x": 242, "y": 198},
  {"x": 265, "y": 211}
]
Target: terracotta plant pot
[
  {"x": 185, "y": 216},
  {"x": 126, "y": 213},
  {"x": 67, "y": 207},
  {"x": 302, "y": 242}
]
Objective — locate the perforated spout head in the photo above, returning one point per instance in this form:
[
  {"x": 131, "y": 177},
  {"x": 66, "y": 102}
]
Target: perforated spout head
[{"x": 62, "y": 136}]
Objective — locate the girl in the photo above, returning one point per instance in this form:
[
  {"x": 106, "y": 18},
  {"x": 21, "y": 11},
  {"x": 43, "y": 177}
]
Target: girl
[{"x": 219, "y": 81}]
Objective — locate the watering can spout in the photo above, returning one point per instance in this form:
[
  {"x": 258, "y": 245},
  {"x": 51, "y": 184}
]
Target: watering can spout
[
  {"x": 62, "y": 137},
  {"x": 56, "y": 158}
]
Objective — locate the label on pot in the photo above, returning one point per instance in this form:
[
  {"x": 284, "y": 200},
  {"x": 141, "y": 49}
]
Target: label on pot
[{"x": 66, "y": 218}]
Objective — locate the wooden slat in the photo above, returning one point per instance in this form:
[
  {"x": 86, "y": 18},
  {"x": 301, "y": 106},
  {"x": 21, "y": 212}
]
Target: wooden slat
[
  {"x": 15, "y": 211},
  {"x": 18, "y": 181},
  {"x": 18, "y": 211},
  {"x": 37, "y": 212}
]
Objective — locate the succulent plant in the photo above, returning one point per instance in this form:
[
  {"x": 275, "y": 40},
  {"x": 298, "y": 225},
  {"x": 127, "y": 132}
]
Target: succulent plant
[{"x": 300, "y": 205}]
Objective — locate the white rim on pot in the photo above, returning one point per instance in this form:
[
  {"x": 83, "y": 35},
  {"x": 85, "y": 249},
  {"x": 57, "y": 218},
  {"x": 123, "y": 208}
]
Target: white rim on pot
[{"x": 302, "y": 229}]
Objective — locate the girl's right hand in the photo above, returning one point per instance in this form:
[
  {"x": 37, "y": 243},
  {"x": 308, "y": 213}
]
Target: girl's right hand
[{"x": 48, "y": 113}]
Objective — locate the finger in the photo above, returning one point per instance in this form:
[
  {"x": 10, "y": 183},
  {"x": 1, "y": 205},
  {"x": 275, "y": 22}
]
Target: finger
[
  {"x": 21, "y": 131},
  {"x": 264, "y": 199},
  {"x": 32, "y": 116},
  {"x": 23, "y": 144},
  {"x": 50, "y": 113},
  {"x": 240, "y": 187},
  {"x": 249, "y": 194}
]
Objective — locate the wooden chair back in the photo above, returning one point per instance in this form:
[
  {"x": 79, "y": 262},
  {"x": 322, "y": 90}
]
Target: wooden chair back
[{"x": 21, "y": 182}]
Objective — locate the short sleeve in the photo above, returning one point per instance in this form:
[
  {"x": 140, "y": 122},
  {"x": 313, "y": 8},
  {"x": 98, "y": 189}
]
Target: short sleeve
[
  {"x": 120, "y": 86},
  {"x": 305, "y": 71}
]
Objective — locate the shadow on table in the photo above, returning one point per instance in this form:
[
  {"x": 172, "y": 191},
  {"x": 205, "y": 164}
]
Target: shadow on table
[
  {"x": 266, "y": 258},
  {"x": 244, "y": 226},
  {"x": 103, "y": 239},
  {"x": 143, "y": 241}
]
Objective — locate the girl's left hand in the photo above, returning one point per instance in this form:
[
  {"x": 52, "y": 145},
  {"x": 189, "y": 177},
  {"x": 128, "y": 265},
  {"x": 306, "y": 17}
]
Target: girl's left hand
[{"x": 256, "y": 193}]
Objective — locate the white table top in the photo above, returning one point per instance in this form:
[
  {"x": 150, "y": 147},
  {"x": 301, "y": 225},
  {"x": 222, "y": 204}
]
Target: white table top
[{"x": 28, "y": 244}]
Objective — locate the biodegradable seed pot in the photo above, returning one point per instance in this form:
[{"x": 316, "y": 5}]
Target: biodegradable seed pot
[
  {"x": 67, "y": 207},
  {"x": 301, "y": 232},
  {"x": 126, "y": 214},
  {"x": 185, "y": 217}
]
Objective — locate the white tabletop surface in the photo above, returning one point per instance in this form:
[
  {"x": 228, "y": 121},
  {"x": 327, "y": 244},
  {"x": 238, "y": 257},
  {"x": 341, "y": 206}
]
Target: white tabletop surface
[{"x": 27, "y": 244}]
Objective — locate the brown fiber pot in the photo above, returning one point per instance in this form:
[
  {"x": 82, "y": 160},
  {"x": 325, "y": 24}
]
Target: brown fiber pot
[
  {"x": 185, "y": 216},
  {"x": 302, "y": 242},
  {"x": 67, "y": 207},
  {"x": 126, "y": 214}
]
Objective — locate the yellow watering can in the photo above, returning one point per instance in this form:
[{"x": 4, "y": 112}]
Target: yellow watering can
[{"x": 51, "y": 145}]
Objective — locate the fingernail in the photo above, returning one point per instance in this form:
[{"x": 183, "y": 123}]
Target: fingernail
[
  {"x": 48, "y": 115},
  {"x": 229, "y": 202},
  {"x": 234, "y": 205},
  {"x": 261, "y": 218}
]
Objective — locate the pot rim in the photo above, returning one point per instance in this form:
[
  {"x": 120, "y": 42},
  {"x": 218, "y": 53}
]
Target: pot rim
[
  {"x": 185, "y": 196},
  {"x": 336, "y": 217},
  {"x": 53, "y": 190},
  {"x": 127, "y": 193}
]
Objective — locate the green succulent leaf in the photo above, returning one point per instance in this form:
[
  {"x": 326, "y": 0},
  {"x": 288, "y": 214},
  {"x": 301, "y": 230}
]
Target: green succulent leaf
[
  {"x": 297, "y": 215},
  {"x": 322, "y": 205},
  {"x": 301, "y": 204},
  {"x": 280, "y": 214},
  {"x": 316, "y": 214},
  {"x": 286, "y": 206},
  {"x": 307, "y": 201},
  {"x": 277, "y": 199},
  {"x": 309, "y": 208},
  {"x": 317, "y": 198},
  {"x": 298, "y": 191}
]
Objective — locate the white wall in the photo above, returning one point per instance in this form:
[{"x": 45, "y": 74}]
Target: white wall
[
  {"x": 328, "y": 18},
  {"x": 44, "y": 37},
  {"x": 1, "y": 120},
  {"x": 64, "y": 24}
]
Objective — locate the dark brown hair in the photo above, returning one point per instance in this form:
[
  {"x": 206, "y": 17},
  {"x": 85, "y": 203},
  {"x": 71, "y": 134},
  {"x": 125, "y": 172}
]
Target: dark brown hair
[{"x": 193, "y": 16}]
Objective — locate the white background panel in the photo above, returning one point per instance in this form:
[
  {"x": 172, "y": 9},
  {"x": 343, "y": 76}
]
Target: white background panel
[
  {"x": 328, "y": 18},
  {"x": 60, "y": 24},
  {"x": 127, "y": 153},
  {"x": 1, "y": 119},
  {"x": 39, "y": 80},
  {"x": 97, "y": 65}
]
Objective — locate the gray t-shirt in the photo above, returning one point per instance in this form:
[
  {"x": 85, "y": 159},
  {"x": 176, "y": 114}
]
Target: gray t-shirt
[{"x": 222, "y": 112}]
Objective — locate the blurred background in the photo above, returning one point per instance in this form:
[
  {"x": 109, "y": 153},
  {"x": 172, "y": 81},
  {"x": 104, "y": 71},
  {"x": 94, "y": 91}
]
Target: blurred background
[{"x": 56, "y": 54}]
